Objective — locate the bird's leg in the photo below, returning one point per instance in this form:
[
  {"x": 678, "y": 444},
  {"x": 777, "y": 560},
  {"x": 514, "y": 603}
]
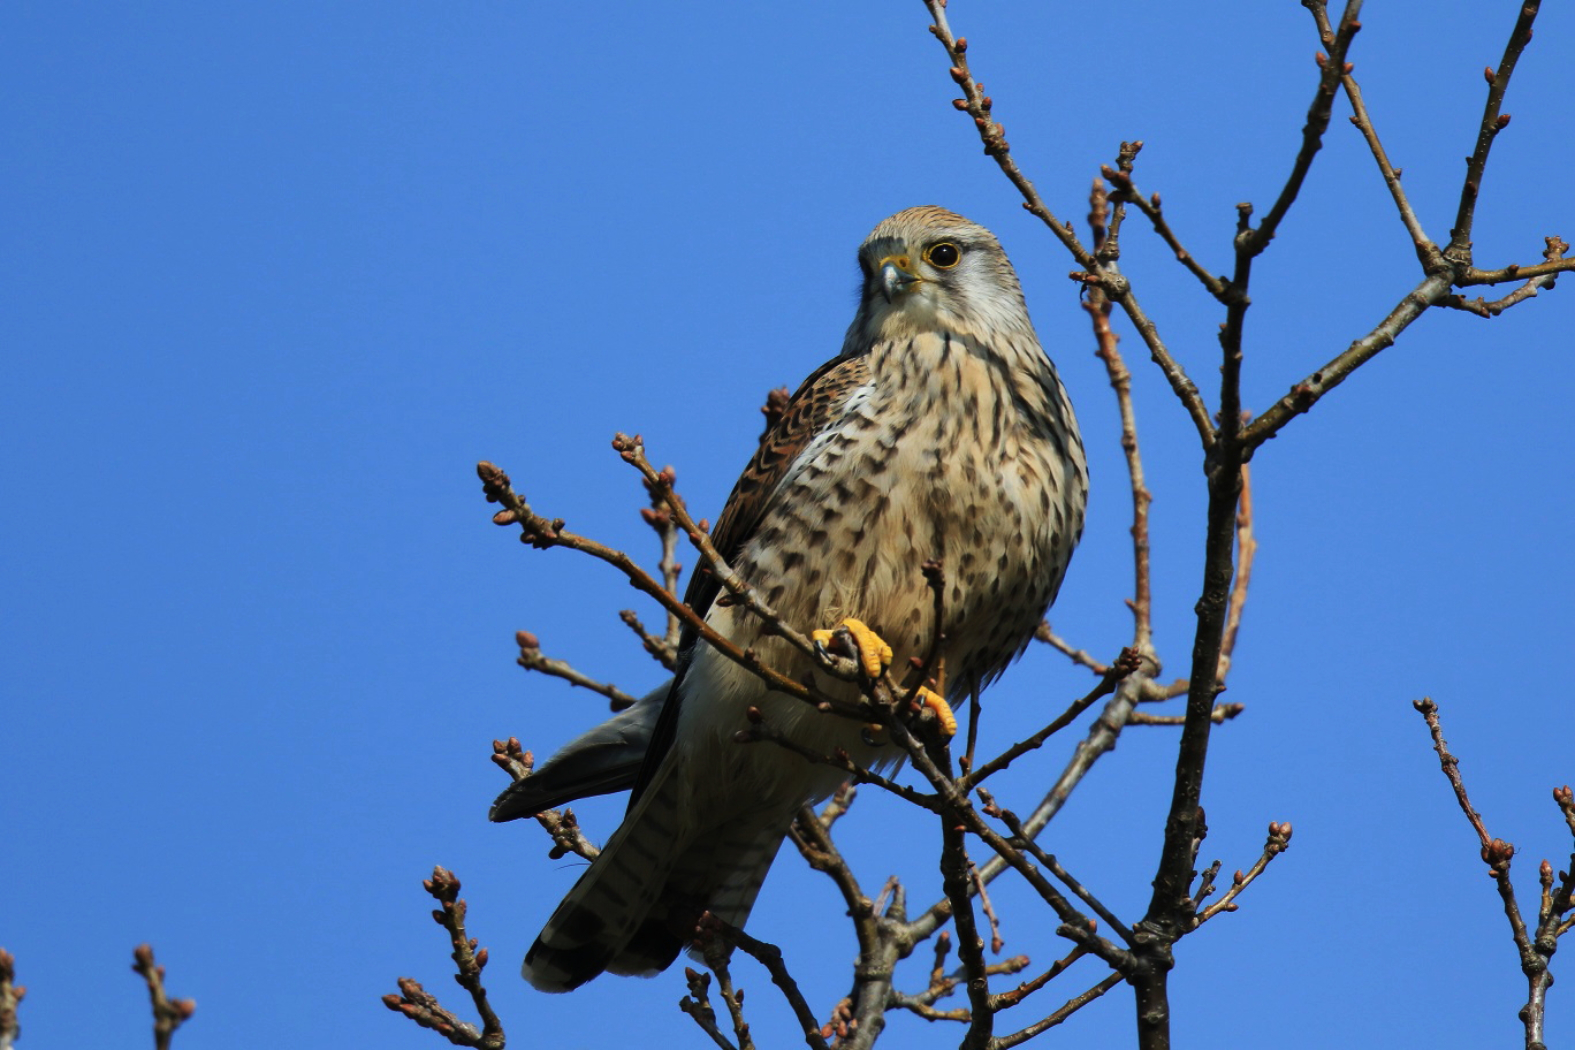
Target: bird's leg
[
  {"x": 973, "y": 726},
  {"x": 875, "y": 656}
]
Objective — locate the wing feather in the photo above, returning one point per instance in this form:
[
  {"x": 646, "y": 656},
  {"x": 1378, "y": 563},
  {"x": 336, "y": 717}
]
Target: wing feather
[{"x": 818, "y": 401}]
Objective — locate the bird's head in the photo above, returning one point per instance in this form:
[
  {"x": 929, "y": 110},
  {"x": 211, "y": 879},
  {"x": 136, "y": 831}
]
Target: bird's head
[{"x": 926, "y": 270}]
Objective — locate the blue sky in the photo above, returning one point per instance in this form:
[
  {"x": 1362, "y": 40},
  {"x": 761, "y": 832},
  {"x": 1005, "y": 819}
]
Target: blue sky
[{"x": 278, "y": 275}]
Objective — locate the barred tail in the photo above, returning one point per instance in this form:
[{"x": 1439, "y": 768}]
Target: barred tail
[
  {"x": 613, "y": 899},
  {"x": 635, "y": 908}
]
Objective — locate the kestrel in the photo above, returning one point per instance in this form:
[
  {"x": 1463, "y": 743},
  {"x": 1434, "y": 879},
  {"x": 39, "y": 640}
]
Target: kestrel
[{"x": 940, "y": 432}]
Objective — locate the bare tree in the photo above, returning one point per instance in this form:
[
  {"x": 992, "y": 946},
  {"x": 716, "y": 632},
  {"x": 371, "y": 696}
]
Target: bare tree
[{"x": 1137, "y": 951}]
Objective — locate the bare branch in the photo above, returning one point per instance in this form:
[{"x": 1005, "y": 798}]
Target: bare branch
[
  {"x": 543, "y": 532},
  {"x": 1497, "y": 854},
  {"x": 1279, "y": 841},
  {"x": 770, "y": 956},
  {"x": 1125, "y": 664},
  {"x": 710, "y": 938},
  {"x": 532, "y": 659},
  {"x": 943, "y": 985},
  {"x": 168, "y": 1014},
  {"x": 1151, "y": 209},
  {"x": 1097, "y": 304},
  {"x": 561, "y": 825},
  {"x": 1555, "y": 263},
  {"x": 665, "y": 654},
  {"x": 1071, "y": 1007},
  {"x": 957, "y": 875},
  {"x": 1080, "y": 657},
  {"x": 978, "y": 106},
  {"x": 1554, "y": 254},
  {"x": 1221, "y": 713},
  {"x": 762, "y": 731},
  {"x": 10, "y": 997},
  {"x": 1054, "y": 867},
  {"x": 660, "y": 519},
  {"x": 421, "y": 1006},
  {"x": 1246, "y": 553},
  {"x": 1333, "y": 66},
  {"x": 1006, "y": 1000},
  {"x": 1493, "y": 122},
  {"x": 697, "y": 1004},
  {"x": 1430, "y": 255},
  {"x": 1430, "y": 292}
]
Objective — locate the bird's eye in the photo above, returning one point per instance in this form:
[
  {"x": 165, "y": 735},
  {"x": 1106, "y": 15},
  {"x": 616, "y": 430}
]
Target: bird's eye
[{"x": 943, "y": 256}]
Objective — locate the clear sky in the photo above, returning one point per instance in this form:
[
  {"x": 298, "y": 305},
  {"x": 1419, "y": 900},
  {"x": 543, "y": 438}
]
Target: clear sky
[{"x": 278, "y": 274}]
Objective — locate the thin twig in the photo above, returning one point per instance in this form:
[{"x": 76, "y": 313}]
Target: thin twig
[
  {"x": 978, "y": 105},
  {"x": 1246, "y": 553},
  {"x": 1555, "y": 264},
  {"x": 1427, "y": 251},
  {"x": 1054, "y": 867},
  {"x": 660, "y": 519},
  {"x": 1151, "y": 209},
  {"x": 1007, "y": 1000},
  {"x": 1333, "y": 67},
  {"x": 664, "y": 654},
  {"x": 697, "y": 1004},
  {"x": 956, "y": 875},
  {"x": 762, "y": 731},
  {"x": 416, "y": 1003},
  {"x": 543, "y": 532},
  {"x": 997, "y": 942},
  {"x": 711, "y": 939},
  {"x": 1125, "y": 664},
  {"x": 1459, "y": 249},
  {"x": 1497, "y": 854},
  {"x": 168, "y": 1014},
  {"x": 10, "y": 997},
  {"x": 1097, "y": 304},
  {"x": 1554, "y": 256},
  {"x": 1221, "y": 713},
  {"x": 560, "y": 825},
  {"x": 1279, "y": 841},
  {"x": 770, "y": 956},
  {"x": 1081, "y": 657},
  {"x": 1070, "y": 1007},
  {"x": 532, "y": 659},
  {"x": 943, "y": 985}
]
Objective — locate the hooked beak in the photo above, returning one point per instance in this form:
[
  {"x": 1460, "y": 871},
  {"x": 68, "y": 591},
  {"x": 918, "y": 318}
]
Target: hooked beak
[{"x": 896, "y": 276}]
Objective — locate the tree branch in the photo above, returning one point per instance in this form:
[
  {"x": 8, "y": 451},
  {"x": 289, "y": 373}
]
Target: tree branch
[
  {"x": 10, "y": 997},
  {"x": 416, "y": 1003},
  {"x": 168, "y": 1014}
]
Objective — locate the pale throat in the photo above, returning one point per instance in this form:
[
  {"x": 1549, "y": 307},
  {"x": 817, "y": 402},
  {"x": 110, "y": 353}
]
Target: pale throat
[{"x": 916, "y": 313}]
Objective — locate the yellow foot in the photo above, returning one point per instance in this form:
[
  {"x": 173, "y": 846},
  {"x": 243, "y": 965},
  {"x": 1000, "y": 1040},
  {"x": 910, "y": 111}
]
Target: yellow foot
[
  {"x": 874, "y": 653},
  {"x": 943, "y": 711}
]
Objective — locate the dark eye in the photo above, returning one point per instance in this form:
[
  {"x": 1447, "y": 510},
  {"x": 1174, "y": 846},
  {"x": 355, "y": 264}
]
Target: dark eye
[{"x": 943, "y": 256}]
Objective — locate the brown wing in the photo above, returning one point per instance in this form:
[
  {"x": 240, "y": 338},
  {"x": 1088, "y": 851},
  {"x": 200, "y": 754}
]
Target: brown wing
[{"x": 817, "y": 401}]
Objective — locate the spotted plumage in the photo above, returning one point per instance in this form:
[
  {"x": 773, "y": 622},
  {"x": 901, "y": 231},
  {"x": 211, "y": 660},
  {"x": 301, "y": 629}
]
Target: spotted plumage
[{"x": 941, "y": 431}]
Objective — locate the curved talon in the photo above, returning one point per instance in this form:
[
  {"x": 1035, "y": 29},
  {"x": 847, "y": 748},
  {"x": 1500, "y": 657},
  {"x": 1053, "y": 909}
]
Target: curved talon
[
  {"x": 943, "y": 711},
  {"x": 874, "y": 653}
]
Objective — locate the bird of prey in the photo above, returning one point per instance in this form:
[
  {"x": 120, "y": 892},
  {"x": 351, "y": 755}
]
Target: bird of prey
[{"x": 940, "y": 432}]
